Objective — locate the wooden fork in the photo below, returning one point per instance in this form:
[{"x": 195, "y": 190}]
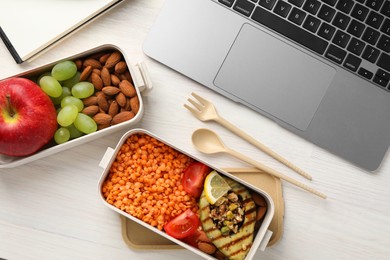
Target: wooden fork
[{"x": 204, "y": 110}]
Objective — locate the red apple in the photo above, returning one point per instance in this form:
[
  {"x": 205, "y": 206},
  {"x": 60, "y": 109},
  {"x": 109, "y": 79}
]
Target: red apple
[{"x": 27, "y": 117}]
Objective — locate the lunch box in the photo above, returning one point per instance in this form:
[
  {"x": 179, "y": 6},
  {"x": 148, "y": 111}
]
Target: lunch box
[
  {"x": 260, "y": 240},
  {"x": 141, "y": 81}
]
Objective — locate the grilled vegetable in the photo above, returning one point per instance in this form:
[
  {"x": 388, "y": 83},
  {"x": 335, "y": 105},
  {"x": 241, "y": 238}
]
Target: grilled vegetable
[{"x": 230, "y": 222}]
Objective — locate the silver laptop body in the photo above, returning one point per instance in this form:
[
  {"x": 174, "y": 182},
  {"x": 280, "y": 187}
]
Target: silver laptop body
[{"x": 312, "y": 95}]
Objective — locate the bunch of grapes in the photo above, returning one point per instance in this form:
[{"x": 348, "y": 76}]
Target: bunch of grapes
[{"x": 63, "y": 85}]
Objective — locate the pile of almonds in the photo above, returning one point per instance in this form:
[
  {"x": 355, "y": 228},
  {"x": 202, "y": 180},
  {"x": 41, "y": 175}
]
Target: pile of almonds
[{"x": 115, "y": 99}]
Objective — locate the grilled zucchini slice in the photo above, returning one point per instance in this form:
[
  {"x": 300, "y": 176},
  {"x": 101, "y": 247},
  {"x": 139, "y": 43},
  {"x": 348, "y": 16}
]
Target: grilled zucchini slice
[{"x": 234, "y": 246}]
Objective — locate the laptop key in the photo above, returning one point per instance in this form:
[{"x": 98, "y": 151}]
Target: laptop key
[
  {"x": 356, "y": 46},
  {"x": 374, "y": 19},
  {"x": 296, "y": 16},
  {"x": 341, "y": 38},
  {"x": 365, "y": 73},
  {"x": 384, "y": 61},
  {"x": 326, "y": 31},
  {"x": 244, "y": 7},
  {"x": 384, "y": 43},
  {"x": 311, "y": 23},
  {"x": 386, "y": 9},
  {"x": 371, "y": 54},
  {"x": 335, "y": 54},
  {"x": 341, "y": 20},
  {"x": 386, "y": 27},
  {"x": 330, "y": 2},
  {"x": 290, "y": 30},
  {"x": 383, "y": 74},
  {"x": 296, "y": 2},
  {"x": 374, "y": 4},
  {"x": 228, "y": 3},
  {"x": 267, "y": 4},
  {"x": 326, "y": 13},
  {"x": 380, "y": 81},
  {"x": 352, "y": 62},
  {"x": 356, "y": 28},
  {"x": 370, "y": 35},
  {"x": 345, "y": 5},
  {"x": 312, "y": 6},
  {"x": 359, "y": 12},
  {"x": 282, "y": 8}
]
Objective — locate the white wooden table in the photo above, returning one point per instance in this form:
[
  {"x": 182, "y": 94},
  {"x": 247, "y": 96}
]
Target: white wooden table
[{"x": 50, "y": 208}]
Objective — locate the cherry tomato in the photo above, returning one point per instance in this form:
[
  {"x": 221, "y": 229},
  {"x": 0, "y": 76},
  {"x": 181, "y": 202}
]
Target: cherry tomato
[
  {"x": 183, "y": 225},
  {"x": 193, "y": 178}
]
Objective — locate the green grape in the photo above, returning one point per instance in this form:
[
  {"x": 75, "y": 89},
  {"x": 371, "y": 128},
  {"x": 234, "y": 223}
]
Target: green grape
[
  {"x": 70, "y": 100},
  {"x": 50, "y": 86},
  {"x": 72, "y": 81},
  {"x": 62, "y": 135},
  {"x": 42, "y": 75},
  {"x": 74, "y": 132},
  {"x": 65, "y": 93},
  {"x": 67, "y": 115},
  {"x": 64, "y": 70},
  {"x": 83, "y": 89},
  {"x": 85, "y": 124}
]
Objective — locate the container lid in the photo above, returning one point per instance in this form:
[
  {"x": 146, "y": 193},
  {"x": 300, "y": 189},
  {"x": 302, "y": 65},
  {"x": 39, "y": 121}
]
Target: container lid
[{"x": 139, "y": 237}]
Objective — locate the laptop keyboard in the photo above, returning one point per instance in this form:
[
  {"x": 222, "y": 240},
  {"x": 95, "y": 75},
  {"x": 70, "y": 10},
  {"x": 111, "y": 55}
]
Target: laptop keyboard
[{"x": 354, "y": 34}]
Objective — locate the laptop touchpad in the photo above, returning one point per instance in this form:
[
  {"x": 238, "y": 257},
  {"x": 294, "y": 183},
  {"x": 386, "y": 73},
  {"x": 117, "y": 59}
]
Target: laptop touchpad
[{"x": 271, "y": 76}]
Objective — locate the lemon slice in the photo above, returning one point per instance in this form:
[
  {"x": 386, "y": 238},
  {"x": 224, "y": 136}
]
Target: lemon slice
[{"x": 215, "y": 187}]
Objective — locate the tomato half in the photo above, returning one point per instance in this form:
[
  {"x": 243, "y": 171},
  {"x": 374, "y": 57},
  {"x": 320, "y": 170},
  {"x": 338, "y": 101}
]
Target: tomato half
[
  {"x": 198, "y": 236},
  {"x": 183, "y": 225},
  {"x": 193, "y": 178}
]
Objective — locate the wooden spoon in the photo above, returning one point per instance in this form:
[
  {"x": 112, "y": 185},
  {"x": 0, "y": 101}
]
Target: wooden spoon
[{"x": 207, "y": 141}]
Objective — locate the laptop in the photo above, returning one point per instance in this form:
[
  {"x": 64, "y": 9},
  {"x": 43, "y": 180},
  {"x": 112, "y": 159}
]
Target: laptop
[{"x": 321, "y": 69}]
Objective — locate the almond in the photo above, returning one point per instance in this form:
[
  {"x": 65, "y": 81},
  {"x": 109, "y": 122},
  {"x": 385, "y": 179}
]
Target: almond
[
  {"x": 91, "y": 110},
  {"x": 127, "y": 106},
  {"x": 100, "y": 126},
  {"x": 110, "y": 90},
  {"x": 97, "y": 71},
  {"x": 104, "y": 58},
  {"x": 260, "y": 213},
  {"x": 79, "y": 64},
  {"x": 85, "y": 73},
  {"x": 90, "y": 101},
  {"x": 115, "y": 80},
  {"x": 113, "y": 109},
  {"x": 259, "y": 200},
  {"x": 134, "y": 104},
  {"x": 113, "y": 59},
  {"x": 97, "y": 81},
  {"x": 127, "y": 76},
  {"x": 120, "y": 67},
  {"x": 121, "y": 99},
  {"x": 106, "y": 77},
  {"x": 93, "y": 63},
  {"x": 127, "y": 88},
  {"x": 102, "y": 102},
  {"x": 102, "y": 118},
  {"x": 207, "y": 247},
  {"x": 122, "y": 117}
]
